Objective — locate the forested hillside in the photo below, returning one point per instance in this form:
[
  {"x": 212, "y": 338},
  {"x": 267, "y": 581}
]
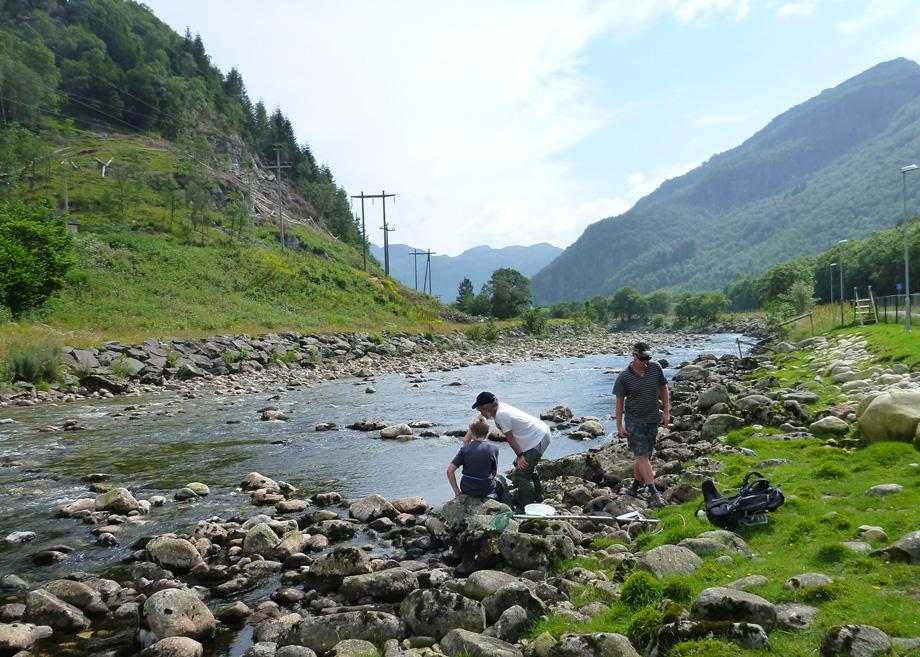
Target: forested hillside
[
  {"x": 823, "y": 171},
  {"x": 115, "y": 124}
]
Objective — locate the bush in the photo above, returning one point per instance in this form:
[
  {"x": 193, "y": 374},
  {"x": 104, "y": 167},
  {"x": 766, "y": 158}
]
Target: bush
[
  {"x": 831, "y": 470},
  {"x": 705, "y": 648},
  {"x": 643, "y": 627},
  {"x": 475, "y": 333},
  {"x": 34, "y": 363},
  {"x": 6, "y": 315},
  {"x": 34, "y": 256},
  {"x": 831, "y": 553},
  {"x": 533, "y": 322},
  {"x": 677, "y": 590},
  {"x": 640, "y": 589},
  {"x": 491, "y": 332}
]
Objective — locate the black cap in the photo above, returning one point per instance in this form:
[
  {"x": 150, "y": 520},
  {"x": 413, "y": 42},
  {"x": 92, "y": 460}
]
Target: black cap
[
  {"x": 642, "y": 349},
  {"x": 484, "y": 398}
]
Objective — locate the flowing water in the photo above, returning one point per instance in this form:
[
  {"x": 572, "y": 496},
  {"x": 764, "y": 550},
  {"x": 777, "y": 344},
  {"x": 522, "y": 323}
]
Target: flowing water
[{"x": 164, "y": 441}]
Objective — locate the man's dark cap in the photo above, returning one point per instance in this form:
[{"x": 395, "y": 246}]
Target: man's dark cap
[
  {"x": 484, "y": 398},
  {"x": 642, "y": 349}
]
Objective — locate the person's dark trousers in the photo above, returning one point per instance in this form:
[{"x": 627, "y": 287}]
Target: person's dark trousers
[{"x": 529, "y": 488}]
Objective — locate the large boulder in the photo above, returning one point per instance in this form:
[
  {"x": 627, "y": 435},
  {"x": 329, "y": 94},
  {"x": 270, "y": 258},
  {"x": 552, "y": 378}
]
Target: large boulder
[
  {"x": 174, "y": 646},
  {"x": 435, "y": 612},
  {"x": 179, "y": 612},
  {"x": 391, "y": 585},
  {"x": 260, "y": 539},
  {"x": 829, "y": 425},
  {"x": 412, "y": 504},
  {"x": 174, "y": 553},
  {"x": 45, "y": 608},
  {"x": 15, "y": 637},
  {"x": 117, "y": 500},
  {"x": 723, "y": 604},
  {"x": 372, "y": 507},
  {"x": 515, "y": 594},
  {"x": 529, "y": 551},
  {"x": 322, "y": 633},
  {"x": 746, "y": 635},
  {"x": 905, "y": 549},
  {"x": 692, "y": 373},
  {"x": 510, "y": 626},
  {"x": 77, "y": 594},
  {"x": 720, "y": 424},
  {"x": 255, "y": 481},
  {"x": 855, "y": 641},
  {"x": 667, "y": 560},
  {"x": 891, "y": 415},
  {"x": 343, "y": 562},
  {"x": 717, "y": 394},
  {"x": 599, "y": 644},
  {"x": 460, "y": 512},
  {"x": 464, "y": 642},
  {"x": 484, "y": 583},
  {"x": 715, "y": 541}
]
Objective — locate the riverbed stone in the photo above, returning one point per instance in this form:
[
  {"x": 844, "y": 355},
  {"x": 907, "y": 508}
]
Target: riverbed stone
[
  {"x": 372, "y": 507},
  {"x": 391, "y": 585},
  {"x": 179, "y": 612},
  {"x": 511, "y": 595},
  {"x": 352, "y": 648},
  {"x": 713, "y": 395},
  {"x": 45, "y": 608},
  {"x": 724, "y": 604},
  {"x": 343, "y": 562},
  {"x": 529, "y": 551},
  {"x": 720, "y": 424},
  {"x": 174, "y": 646},
  {"x": 484, "y": 583},
  {"x": 667, "y": 560},
  {"x": 855, "y": 641},
  {"x": 79, "y": 595},
  {"x": 117, "y": 500},
  {"x": 435, "y": 612},
  {"x": 21, "y": 636},
  {"x": 460, "y": 641},
  {"x": 260, "y": 539},
  {"x": 599, "y": 644},
  {"x": 321, "y": 633},
  {"x": 829, "y": 425},
  {"x": 717, "y": 540},
  {"x": 255, "y": 481},
  {"x": 891, "y": 415},
  {"x": 174, "y": 553},
  {"x": 395, "y": 431},
  {"x": 510, "y": 626}
]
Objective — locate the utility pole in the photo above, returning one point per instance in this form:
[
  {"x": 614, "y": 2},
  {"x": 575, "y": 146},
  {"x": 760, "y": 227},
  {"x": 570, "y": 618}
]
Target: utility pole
[
  {"x": 415, "y": 255},
  {"x": 362, "y": 196},
  {"x": 278, "y": 167},
  {"x": 386, "y": 229},
  {"x": 428, "y": 272}
]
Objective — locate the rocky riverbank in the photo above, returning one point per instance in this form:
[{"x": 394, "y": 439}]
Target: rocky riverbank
[
  {"x": 324, "y": 575},
  {"x": 223, "y": 363}
]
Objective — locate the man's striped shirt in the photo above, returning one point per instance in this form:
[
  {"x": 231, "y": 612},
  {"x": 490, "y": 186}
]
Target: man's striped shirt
[{"x": 641, "y": 392}]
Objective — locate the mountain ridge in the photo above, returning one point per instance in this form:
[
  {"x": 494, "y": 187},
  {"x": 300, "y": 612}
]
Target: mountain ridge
[{"x": 821, "y": 171}]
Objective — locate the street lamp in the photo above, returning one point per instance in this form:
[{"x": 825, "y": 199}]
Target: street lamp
[
  {"x": 831, "y": 271},
  {"x": 907, "y": 310},
  {"x": 840, "y": 272}
]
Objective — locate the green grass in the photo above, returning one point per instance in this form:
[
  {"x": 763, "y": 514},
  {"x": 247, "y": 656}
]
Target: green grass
[
  {"x": 803, "y": 536},
  {"x": 891, "y": 343},
  {"x": 145, "y": 271}
]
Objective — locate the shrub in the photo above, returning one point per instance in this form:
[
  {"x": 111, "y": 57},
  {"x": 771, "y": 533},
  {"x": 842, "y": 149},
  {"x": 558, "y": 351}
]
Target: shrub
[
  {"x": 35, "y": 254},
  {"x": 830, "y": 470},
  {"x": 677, "y": 590},
  {"x": 640, "y": 589},
  {"x": 533, "y": 322},
  {"x": 657, "y": 321},
  {"x": 831, "y": 553},
  {"x": 34, "y": 363},
  {"x": 643, "y": 627},
  {"x": 6, "y": 315},
  {"x": 119, "y": 368},
  {"x": 705, "y": 648},
  {"x": 475, "y": 333},
  {"x": 491, "y": 332}
]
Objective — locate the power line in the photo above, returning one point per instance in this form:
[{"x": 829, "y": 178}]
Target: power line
[
  {"x": 278, "y": 167},
  {"x": 385, "y": 228}
]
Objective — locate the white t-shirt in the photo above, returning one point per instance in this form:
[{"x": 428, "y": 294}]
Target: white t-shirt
[{"x": 528, "y": 430}]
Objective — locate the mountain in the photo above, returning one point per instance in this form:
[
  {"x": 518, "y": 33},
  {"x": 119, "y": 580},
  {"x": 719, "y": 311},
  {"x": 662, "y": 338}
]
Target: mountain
[
  {"x": 476, "y": 264},
  {"x": 823, "y": 171}
]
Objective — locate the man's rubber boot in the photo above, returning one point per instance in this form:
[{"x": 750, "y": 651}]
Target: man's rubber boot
[{"x": 657, "y": 501}]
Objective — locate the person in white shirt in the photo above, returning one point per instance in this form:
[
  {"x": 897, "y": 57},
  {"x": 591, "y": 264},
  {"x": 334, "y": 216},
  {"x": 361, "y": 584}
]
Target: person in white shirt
[{"x": 527, "y": 436}]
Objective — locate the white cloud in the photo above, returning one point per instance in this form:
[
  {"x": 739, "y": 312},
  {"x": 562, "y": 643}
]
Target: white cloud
[
  {"x": 873, "y": 12},
  {"x": 796, "y": 9},
  {"x": 694, "y": 11}
]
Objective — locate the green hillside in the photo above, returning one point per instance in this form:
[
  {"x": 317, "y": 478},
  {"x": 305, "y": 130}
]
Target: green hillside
[
  {"x": 823, "y": 171},
  {"x": 178, "y": 231}
]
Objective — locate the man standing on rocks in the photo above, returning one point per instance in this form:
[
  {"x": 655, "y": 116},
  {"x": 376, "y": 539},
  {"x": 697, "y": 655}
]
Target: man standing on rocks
[
  {"x": 637, "y": 390},
  {"x": 527, "y": 436}
]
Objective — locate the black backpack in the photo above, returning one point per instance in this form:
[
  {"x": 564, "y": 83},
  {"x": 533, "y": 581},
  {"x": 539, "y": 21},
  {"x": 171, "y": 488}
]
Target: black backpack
[{"x": 754, "y": 500}]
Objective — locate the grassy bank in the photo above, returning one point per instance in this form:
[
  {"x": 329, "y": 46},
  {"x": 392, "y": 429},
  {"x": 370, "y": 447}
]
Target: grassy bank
[{"x": 827, "y": 501}]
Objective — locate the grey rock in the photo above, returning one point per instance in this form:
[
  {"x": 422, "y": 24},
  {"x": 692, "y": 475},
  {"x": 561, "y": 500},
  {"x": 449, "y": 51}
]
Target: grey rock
[
  {"x": 260, "y": 539},
  {"x": 510, "y": 626},
  {"x": 599, "y": 644},
  {"x": 515, "y": 594},
  {"x": 716, "y": 394},
  {"x": 793, "y": 617},
  {"x": 261, "y": 649},
  {"x": 255, "y": 481},
  {"x": 353, "y": 648},
  {"x": 905, "y": 549},
  {"x": 749, "y": 582},
  {"x": 855, "y": 641},
  {"x": 372, "y": 507},
  {"x": 462, "y": 641},
  {"x": 725, "y": 604},
  {"x": 483, "y": 583},
  {"x": 321, "y": 633},
  {"x": 343, "y": 562},
  {"x": 45, "y": 608},
  {"x": 294, "y": 651},
  {"x": 667, "y": 560},
  {"x": 720, "y": 425},
  {"x": 77, "y": 594},
  {"x": 117, "y": 500},
  {"x": 179, "y": 612},
  {"x": 746, "y": 635},
  {"x": 881, "y": 490},
  {"x": 21, "y": 636},
  {"x": 395, "y": 431},
  {"x": 391, "y": 585},
  {"x": 807, "y": 581},
  {"x": 434, "y": 612},
  {"x": 174, "y": 553},
  {"x": 528, "y": 551},
  {"x": 174, "y": 646}
]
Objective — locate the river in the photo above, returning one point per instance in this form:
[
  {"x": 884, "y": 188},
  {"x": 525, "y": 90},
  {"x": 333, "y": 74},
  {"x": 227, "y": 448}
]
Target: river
[{"x": 165, "y": 441}]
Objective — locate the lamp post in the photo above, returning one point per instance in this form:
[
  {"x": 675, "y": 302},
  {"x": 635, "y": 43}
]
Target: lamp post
[
  {"x": 907, "y": 309},
  {"x": 840, "y": 272},
  {"x": 831, "y": 272}
]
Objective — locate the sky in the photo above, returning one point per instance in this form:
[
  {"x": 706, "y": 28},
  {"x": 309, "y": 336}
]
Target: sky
[{"x": 524, "y": 121}]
